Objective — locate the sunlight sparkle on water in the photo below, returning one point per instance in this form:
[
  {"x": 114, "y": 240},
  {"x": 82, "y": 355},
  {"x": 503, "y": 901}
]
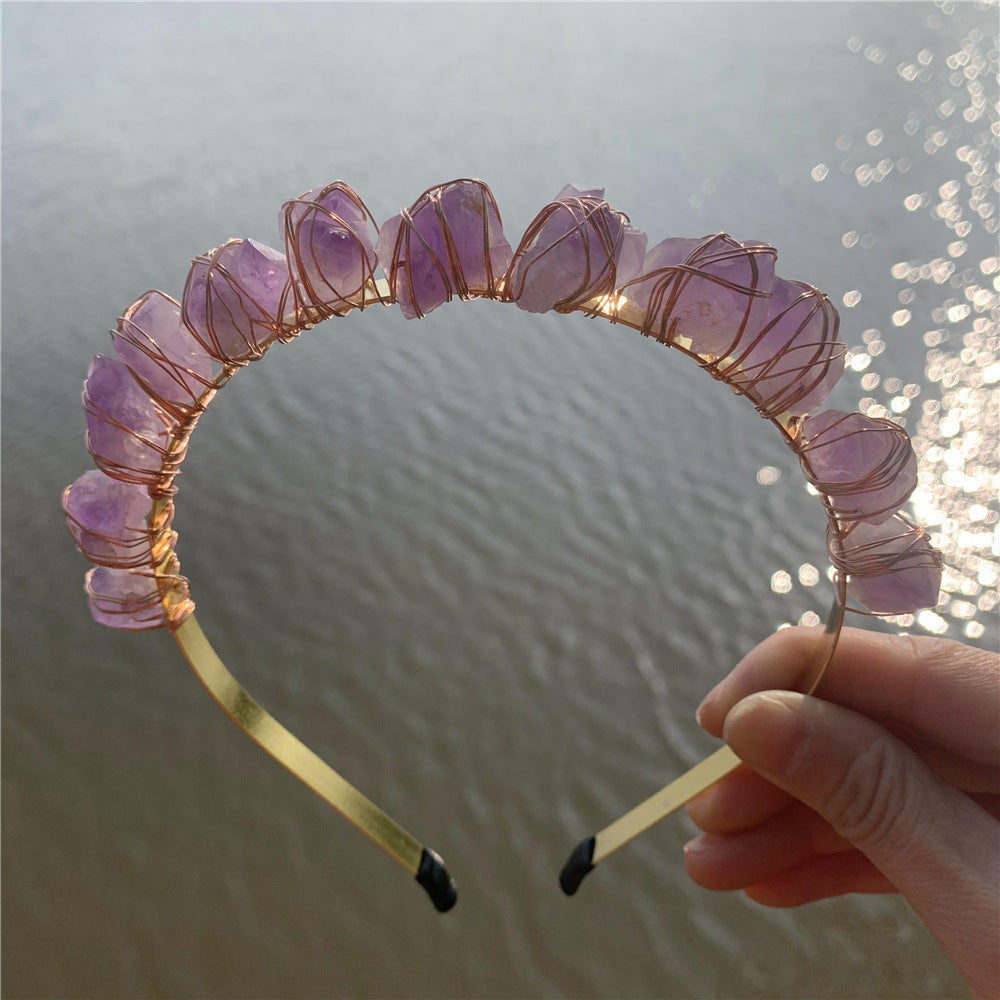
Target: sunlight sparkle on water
[
  {"x": 951, "y": 300},
  {"x": 955, "y": 425}
]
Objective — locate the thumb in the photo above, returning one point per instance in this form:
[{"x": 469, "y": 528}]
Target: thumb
[{"x": 935, "y": 845}]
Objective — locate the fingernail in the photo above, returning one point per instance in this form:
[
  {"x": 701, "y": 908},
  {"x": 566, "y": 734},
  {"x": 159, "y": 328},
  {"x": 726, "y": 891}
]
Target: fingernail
[
  {"x": 699, "y": 712},
  {"x": 693, "y": 846}
]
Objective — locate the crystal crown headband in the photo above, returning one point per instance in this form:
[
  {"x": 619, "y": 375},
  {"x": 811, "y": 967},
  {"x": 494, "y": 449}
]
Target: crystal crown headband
[{"x": 715, "y": 299}]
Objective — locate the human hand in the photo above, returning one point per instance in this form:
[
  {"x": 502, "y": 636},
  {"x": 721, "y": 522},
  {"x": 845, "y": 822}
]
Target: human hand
[{"x": 888, "y": 780}]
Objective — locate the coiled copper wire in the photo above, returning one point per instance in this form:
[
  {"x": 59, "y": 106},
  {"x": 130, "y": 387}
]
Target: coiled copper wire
[
  {"x": 591, "y": 222},
  {"x": 314, "y": 302},
  {"x": 450, "y": 269}
]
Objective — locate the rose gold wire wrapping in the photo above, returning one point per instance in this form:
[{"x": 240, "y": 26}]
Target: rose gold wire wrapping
[
  {"x": 906, "y": 549},
  {"x": 312, "y": 303},
  {"x": 173, "y": 588},
  {"x": 882, "y": 557},
  {"x": 181, "y": 376},
  {"x": 450, "y": 270},
  {"x": 164, "y": 601},
  {"x": 880, "y": 477},
  {"x": 254, "y": 327},
  {"x": 144, "y": 611},
  {"x": 590, "y": 220},
  {"x": 137, "y": 545},
  {"x": 746, "y": 374},
  {"x": 170, "y": 459},
  {"x": 168, "y": 590},
  {"x": 155, "y": 594},
  {"x": 670, "y": 282}
]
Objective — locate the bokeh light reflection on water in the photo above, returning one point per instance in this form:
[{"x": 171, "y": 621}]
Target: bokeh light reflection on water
[{"x": 949, "y": 138}]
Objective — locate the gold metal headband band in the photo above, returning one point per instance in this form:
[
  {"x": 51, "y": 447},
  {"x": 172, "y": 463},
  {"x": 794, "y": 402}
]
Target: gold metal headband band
[{"x": 715, "y": 299}]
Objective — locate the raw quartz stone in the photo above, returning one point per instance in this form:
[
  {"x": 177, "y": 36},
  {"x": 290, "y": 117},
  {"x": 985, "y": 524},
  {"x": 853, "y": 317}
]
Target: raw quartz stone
[
  {"x": 449, "y": 242},
  {"x": 577, "y": 249},
  {"x": 125, "y": 598},
  {"x": 796, "y": 360},
  {"x": 713, "y": 291},
  {"x": 126, "y": 433},
  {"x": 329, "y": 245},
  {"x": 108, "y": 519},
  {"x": 159, "y": 350},
  {"x": 234, "y": 299},
  {"x": 866, "y": 466},
  {"x": 892, "y": 567}
]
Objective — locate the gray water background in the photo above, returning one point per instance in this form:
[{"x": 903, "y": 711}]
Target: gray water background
[{"x": 487, "y": 564}]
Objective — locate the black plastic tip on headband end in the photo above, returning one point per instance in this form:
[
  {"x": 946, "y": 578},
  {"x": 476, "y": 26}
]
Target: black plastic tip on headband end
[
  {"x": 579, "y": 865},
  {"x": 434, "y": 877}
]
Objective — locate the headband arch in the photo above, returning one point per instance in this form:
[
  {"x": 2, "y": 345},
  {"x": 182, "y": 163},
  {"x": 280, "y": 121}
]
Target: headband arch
[{"x": 717, "y": 300}]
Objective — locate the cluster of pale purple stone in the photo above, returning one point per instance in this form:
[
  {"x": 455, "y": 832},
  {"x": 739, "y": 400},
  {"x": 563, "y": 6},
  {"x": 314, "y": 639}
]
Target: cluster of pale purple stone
[{"x": 773, "y": 340}]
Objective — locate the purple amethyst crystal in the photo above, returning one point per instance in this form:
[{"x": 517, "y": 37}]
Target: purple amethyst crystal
[
  {"x": 449, "y": 242},
  {"x": 892, "y": 568},
  {"x": 796, "y": 359},
  {"x": 577, "y": 249},
  {"x": 866, "y": 466},
  {"x": 712, "y": 291},
  {"x": 235, "y": 299},
  {"x": 108, "y": 519},
  {"x": 125, "y": 598},
  {"x": 169, "y": 364},
  {"x": 329, "y": 245},
  {"x": 126, "y": 433}
]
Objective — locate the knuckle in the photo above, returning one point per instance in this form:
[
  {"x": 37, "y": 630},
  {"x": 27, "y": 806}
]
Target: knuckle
[{"x": 875, "y": 802}]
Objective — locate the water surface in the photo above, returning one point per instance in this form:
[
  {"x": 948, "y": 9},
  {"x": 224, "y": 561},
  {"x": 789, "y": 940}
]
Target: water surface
[{"x": 487, "y": 564}]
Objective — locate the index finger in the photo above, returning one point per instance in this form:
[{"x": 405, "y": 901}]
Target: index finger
[{"x": 941, "y": 690}]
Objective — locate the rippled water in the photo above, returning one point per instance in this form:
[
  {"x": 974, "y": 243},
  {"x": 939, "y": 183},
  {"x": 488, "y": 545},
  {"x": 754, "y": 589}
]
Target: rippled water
[{"x": 486, "y": 564}]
